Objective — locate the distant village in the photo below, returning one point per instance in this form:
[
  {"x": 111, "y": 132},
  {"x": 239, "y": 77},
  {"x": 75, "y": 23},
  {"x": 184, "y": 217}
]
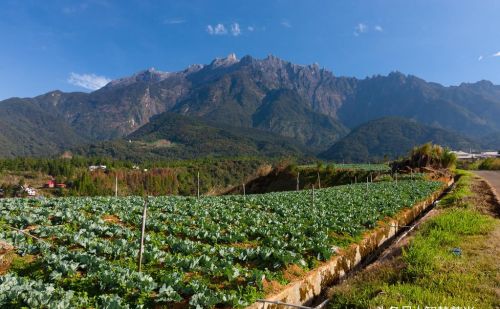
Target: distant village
[
  {"x": 462, "y": 155},
  {"x": 30, "y": 191}
]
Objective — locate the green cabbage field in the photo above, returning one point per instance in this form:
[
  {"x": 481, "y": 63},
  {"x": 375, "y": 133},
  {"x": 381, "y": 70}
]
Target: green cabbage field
[{"x": 215, "y": 251}]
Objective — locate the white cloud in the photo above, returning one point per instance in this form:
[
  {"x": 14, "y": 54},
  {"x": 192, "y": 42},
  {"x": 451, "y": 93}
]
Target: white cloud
[
  {"x": 496, "y": 54},
  {"x": 379, "y": 28},
  {"x": 218, "y": 29},
  {"x": 250, "y": 28},
  {"x": 88, "y": 81},
  {"x": 480, "y": 58},
  {"x": 286, "y": 24},
  {"x": 174, "y": 21},
  {"x": 360, "y": 28},
  {"x": 235, "y": 29}
]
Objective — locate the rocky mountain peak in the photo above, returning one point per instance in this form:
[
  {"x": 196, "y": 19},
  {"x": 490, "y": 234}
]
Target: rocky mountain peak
[
  {"x": 224, "y": 62},
  {"x": 150, "y": 75}
]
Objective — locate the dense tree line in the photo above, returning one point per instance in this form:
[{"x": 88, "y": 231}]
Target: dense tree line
[{"x": 152, "y": 178}]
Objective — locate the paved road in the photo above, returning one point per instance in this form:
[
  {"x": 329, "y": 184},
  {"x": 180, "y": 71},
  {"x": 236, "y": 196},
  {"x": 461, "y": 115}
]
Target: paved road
[{"x": 493, "y": 177}]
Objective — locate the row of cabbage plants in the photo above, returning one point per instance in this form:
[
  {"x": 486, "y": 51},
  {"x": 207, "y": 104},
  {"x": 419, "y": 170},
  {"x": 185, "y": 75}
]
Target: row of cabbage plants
[{"x": 212, "y": 251}]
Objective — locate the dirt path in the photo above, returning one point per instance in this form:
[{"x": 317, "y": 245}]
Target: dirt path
[{"x": 493, "y": 178}]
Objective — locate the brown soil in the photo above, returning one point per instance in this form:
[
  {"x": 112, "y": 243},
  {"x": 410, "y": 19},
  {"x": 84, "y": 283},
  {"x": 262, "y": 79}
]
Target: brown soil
[
  {"x": 244, "y": 245},
  {"x": 293, "y": 272},
  {"x": 6, "y": 256},
  {"x": 271, "y": 287},
  {"x": 111, "y": 219},
  {"x": 30, "y": 228},
  {"x": 484, "y": 199}
]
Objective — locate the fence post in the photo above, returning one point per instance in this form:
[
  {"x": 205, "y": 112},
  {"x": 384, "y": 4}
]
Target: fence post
[
  {"x": 244, "y": 191},
  {"x": 313, "y": 196},
  {"x": 319, "y": 181},
  {"x": 298, "y": 182},
  {"x": 116, "y": 185},
  {"x": 143, "y": 228},
  {"x": 198, "y": 185}
]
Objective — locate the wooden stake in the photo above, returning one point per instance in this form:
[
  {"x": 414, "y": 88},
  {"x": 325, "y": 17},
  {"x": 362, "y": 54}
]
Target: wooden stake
[
  {"x": 143, "y": 228},
  {"x": 319, "y": 181},
  {"x": 244, "y": 193},
  {"x": 198, "y": 185},
  {"x": 116, "y": 185},
  {"x": 298, "y": 183},
  {"x": 313, "y": 196}
]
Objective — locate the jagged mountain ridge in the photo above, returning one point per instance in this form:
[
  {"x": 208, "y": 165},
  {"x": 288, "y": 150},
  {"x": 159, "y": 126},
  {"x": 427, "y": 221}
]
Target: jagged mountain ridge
[{"x": 239, "y": 92}]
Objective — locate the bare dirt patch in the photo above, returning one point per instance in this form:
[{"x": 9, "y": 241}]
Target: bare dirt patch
[
  {"x": 293, "y": 272},
  {"x": 6, "y": 255},
  {"x": 271, "y": 287},
  {"x": 483, "y": 198},
  {"x": 112, "y": 219}
]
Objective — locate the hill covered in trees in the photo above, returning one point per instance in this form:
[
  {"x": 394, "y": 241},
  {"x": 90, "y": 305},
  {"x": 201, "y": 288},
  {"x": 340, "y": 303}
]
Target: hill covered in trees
[{"x": 390, "y": 138}]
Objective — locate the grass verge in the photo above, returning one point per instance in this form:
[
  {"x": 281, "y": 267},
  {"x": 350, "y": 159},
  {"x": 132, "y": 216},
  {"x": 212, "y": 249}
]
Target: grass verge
[{"x": 451, "y": 261}]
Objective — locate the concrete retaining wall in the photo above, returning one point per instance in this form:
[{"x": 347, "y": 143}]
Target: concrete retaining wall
[{"x": 316, "y": 281}]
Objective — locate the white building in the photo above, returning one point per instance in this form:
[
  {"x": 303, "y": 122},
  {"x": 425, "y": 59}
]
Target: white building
[
  {"x": 490, "y": 154},
  {"x": 462, "y": 155},
  {"x": 29, "y": 191},
  {"x": 97, "y": 167}
]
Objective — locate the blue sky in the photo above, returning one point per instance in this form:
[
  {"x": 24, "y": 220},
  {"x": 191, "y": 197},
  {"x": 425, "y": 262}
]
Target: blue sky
[{"x": 79, "y": 45}]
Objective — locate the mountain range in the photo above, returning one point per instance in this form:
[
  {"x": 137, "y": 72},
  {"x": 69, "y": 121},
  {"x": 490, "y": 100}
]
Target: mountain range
[{"x": 257, "y": 106}]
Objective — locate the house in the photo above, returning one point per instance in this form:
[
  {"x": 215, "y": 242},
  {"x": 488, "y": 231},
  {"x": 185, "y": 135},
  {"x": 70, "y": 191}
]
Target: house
[
  {"x": 93, "y": 168},
  {"x": 489, "y": 154},
  {"x": 50, "y": 184},
  {"x": 29, "y": 191},
  {"x": 461, "y": 155}
]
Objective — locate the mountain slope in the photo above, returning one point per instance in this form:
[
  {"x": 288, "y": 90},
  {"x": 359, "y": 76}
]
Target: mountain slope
[
  {"x": 491, "y": 141},
  {"x": 28, "y": 130},
  {"x": 173, "y": 136},
  {"x": 284, "y": 112},
  {"x": 303, "y": 102},
  {"x": 390, "y": 138},
  {"x": 468, "y": 109}
]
